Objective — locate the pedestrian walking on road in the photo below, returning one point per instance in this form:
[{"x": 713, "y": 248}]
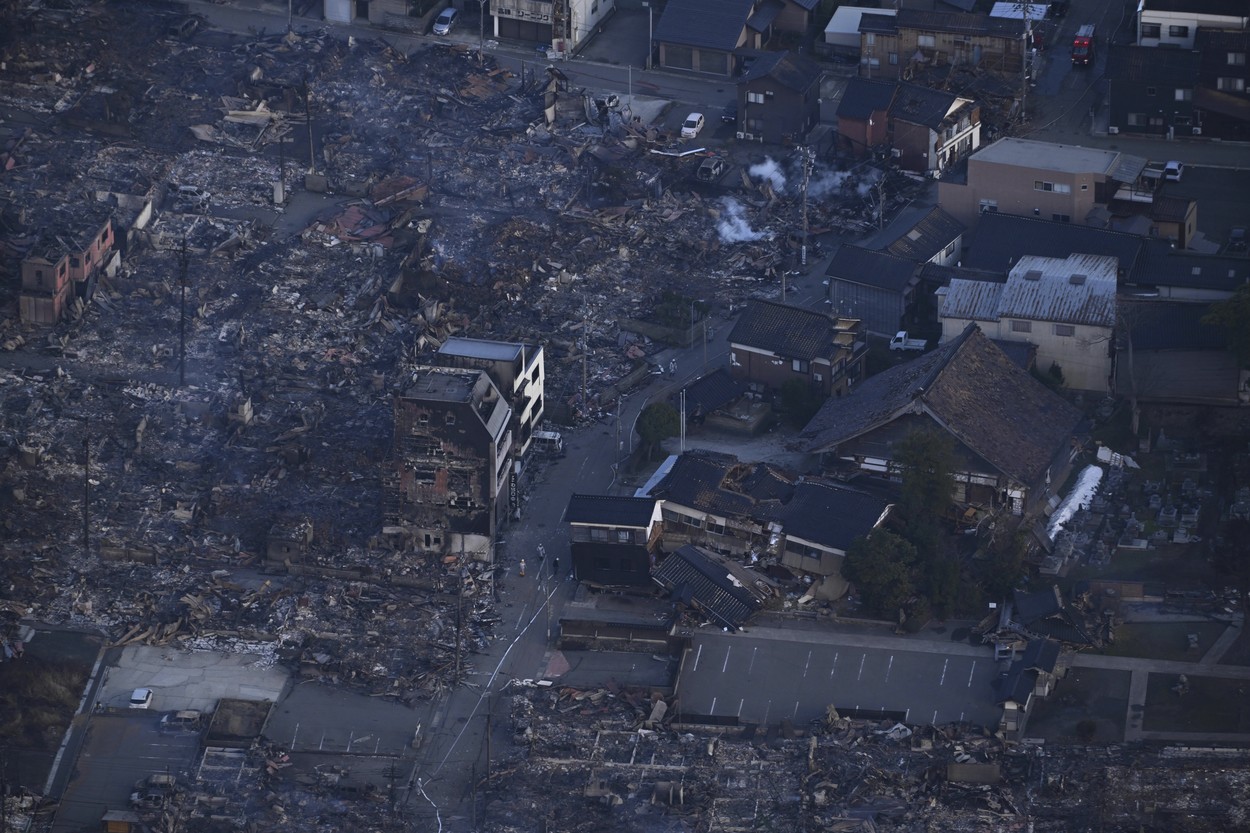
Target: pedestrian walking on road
[
  {"x": 555, "y": 567},
  {"x": 522, "y": 568},
  {"x": 672, "y": 367}
]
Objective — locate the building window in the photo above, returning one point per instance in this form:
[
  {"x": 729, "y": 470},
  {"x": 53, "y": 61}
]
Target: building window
[
  {"x": 1018, "y": 326},
  {"x": 989, "y": 205},
  {"x": 1231, "y": 85},
  {"x": 1056, "y": 187},
  {"x": 1156, "y": 121},
  {"x": 1150, "y": 30},
  {"x": 755, "y": 98},
  {"x": 1178, "y": 31},
  {"x": 624, "y": 536},
  {"x": 715, "y": 527},
  {"x": 1136, "y": 120},
  {"x": 1184, "y": 95},
  {"x": 926, "y": 41},
  {"x": 1237, "y": 59},
  {"x": 1061, "y": 218},
  {"x": 870, "y": 38},
  {"x": 1084, "y": 187},
  {"x": 1151, "y": 91},
  {"x": 450, "y": 419},
  {"x": 598, "y": 534},
  {"x": 798, "y": 365},
  {"x": 1065, "y": 330},
  {"x": 894, "y": 59}
]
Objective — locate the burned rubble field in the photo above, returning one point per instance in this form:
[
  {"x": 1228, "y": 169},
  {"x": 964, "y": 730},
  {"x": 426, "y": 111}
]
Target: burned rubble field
[
  {"x": 458, "y": 210},
  {"x": 632, "y": 772}
]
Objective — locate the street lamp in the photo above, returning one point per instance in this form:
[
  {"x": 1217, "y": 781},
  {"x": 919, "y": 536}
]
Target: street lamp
[{"x": 650, "y": 29}]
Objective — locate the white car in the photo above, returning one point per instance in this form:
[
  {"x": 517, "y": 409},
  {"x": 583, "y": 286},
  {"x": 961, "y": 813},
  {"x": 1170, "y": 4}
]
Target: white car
[
  {"x": 445, "y": 21},
  {"x": 141, "y": 698},
  {"x": 692, "y": 125},
  {"x": 1173, "y": 171}
]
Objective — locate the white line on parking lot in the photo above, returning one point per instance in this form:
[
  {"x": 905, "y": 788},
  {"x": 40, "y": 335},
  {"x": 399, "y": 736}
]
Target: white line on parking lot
[
  {"x": 796, "y": 711},
  {"x": 767, "y": 709},
  {"x": 713, "y": 709},
  {"x": 943, "y": 680},
  {"x": 861, "y": 667},
  {"x": 754, "y": 651},
  {"x": 835, "y": 665},
  {"x": 974, "y": 668},
  {"x": 888, "y": 667},
  {"x": 934, "y": 721},
  {"x": 740, "y": 702},
  {"x": 806, "y": 664},
  {"x": 697, "y": 654},
  {"x": 726, "y": 665}
]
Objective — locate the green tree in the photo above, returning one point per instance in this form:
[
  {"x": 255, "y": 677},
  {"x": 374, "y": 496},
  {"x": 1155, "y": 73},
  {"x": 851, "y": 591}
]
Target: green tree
[
  {"x": 881, "y": 566},
  {"x": 999, "y": 572},
  {"x": 1233, "y": 317},
  {"x": 799, "y": 402},
  {"x": 657, "y": 422},
  {"x": 927, "y": 460}
]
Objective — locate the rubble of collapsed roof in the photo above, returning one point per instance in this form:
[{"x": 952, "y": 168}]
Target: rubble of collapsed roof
[
  {"x": 465, "y": 201},
  {"x": 625, "y": 759}
]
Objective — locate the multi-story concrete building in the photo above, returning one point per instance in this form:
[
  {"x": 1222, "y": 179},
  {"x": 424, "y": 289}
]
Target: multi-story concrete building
[
  {"x": 516, "y": 369},
  {"x": 772, "y": 344},
  {"x": 1175, "y": 22},
  {"x": 65, "y": 262},
  {"x": 448, "y": 490},
  {"x": 1038, "y": 179}
]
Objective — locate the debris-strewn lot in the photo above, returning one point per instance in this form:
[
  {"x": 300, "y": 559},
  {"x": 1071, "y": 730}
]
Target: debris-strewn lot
[
  {"x": 141, "y": 493},
  {"x": 622, "y": 768}
]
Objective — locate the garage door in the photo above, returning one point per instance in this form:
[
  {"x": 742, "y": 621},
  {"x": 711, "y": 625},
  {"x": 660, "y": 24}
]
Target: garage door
[
  {"x": 524, "y": 30},
  {"x": 340, "y": 11}
]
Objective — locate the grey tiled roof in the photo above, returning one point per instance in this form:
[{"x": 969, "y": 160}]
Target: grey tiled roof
[
  {"x": 983, "y": 399},
  {"x": 708, "y": 24},
  {"x": 610, "y": 510},
  {"x": 830, "y": 514},
  {"x": 863, "y": 97},
  {"x": 930, "y": 235},
  {"x": 1001, "y": 239},
  {"x": 695, "y": 576},
  {"x": 791, "y": 70},
  {"x": 921, "y": 105},
  {"x": 792, "y": 332},
  {"x": 882, "y": 270},
  {"x": 718, "y": 483},
  {"x": 1161, "y": 265}
]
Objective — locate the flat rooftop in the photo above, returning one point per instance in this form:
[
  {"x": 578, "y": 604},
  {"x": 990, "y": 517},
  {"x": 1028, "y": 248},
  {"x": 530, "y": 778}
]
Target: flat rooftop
[
  {"x": 480, "y": 348},
  {"x": 1049, "y": 156},
  {"x": 442, "y": 384}
]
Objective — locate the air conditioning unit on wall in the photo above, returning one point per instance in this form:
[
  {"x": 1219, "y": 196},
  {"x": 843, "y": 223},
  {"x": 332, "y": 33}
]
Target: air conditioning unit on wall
[
  {"x": 1113, "y": 130},
  {"x": 1197, "y": 131}
]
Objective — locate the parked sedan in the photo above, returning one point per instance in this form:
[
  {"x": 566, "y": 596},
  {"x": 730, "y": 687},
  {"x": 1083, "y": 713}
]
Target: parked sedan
[
  {"x": 1173, "y": 171},
  {"x": 141, "y": 698},
  {"x": 730, "y": 114},
  {"x": 691, "y": 127},
  {"x": 445, "y": 22}
]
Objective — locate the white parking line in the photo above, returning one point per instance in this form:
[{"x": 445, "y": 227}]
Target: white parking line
[
  {"x": 835, "y": 665},
  {"x": 754, "y": 651},
  {"x": 726, "y": 665},
  {"x": 861, "y": 667},
  {"x": 888, "y": 667},
  {"x": 713, "y": 709},
  {"x": 740, "y": 702},
  {"x": 697, "y": 654},
  {"x": 933, "y": 722},
  {"x": 944, "y": 664},
  {"x": 795, "y": 716},
  {"x": 806, "y": 664},
  {"x": 970, "y": 673}
]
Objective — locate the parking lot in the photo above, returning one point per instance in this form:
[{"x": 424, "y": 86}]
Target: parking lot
[{"x": 766, "y": 680}]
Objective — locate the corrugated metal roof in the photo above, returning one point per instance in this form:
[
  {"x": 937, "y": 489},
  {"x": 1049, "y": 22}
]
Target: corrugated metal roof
[
  {"x": 695, "y": 576},
  {"x": 1079, "y": 289},
  {"x": 972, "y": 300}
]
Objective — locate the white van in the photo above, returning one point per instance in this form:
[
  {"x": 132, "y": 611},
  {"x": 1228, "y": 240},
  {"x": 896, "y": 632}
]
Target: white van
[{"x": 549, "y": 443}]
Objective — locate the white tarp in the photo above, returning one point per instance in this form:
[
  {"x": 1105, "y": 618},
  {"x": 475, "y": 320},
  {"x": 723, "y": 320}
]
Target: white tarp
[
  {"x": 1015, "y": 11},
  {"x": 843, "y": 28},
  {"x": 1080, "y": 496}
]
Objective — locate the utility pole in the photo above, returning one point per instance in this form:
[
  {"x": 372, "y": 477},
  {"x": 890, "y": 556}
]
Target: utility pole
[
  {"x": 182, "y": 315},
  {"x": 86, "y": 492},
  {"x": 683, "y": 420},
  {"x": 807, "y": 175},
  {"x": 585, "y": 348},
  {"x": 650, "y": 30},
  {"x": 1024, "y": 59},
  {"x": 312, "y": 151}
]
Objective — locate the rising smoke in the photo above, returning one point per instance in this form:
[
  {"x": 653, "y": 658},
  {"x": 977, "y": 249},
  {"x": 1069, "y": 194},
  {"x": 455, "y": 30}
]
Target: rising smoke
[
  {"x": 770, "y": 170},
  {"x": 733, "y": 226}
]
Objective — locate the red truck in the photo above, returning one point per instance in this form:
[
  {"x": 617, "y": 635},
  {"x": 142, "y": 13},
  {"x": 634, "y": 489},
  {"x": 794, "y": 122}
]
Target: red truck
[{"x": 1083, "y": 46}]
